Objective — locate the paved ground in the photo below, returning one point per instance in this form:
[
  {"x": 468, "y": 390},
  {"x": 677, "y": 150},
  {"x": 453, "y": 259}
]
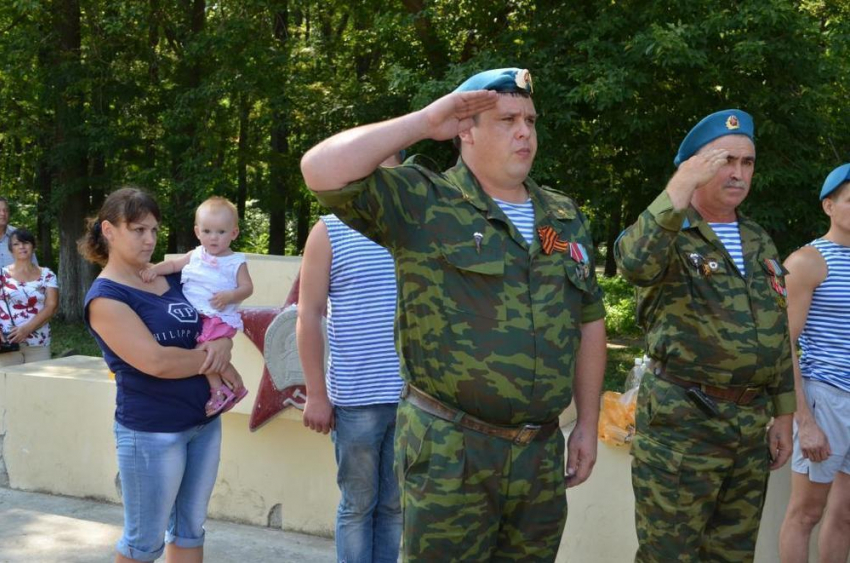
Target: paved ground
[{"x": 38, "y": 528}]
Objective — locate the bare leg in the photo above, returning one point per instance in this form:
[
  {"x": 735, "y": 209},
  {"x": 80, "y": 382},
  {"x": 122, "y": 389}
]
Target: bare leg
[
  {"x": 834, "y": 536},
  {"x": 214, "y": 380},
  {"x": 121, "y": 559},
  {"x": 805, "y": 509},
  {"x": 174, "y": 554}
]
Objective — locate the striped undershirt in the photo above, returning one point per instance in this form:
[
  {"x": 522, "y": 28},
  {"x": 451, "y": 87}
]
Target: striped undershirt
[
  {"x": 730, "y": 235},
  {"x": 825, "y": 340},
  {"x": 521, "y": 215},
  {"x": 363, "y": 368}
]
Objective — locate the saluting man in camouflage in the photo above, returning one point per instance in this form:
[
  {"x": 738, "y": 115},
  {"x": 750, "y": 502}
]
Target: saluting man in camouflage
[
  {"x": 499, "y": 320},
  {"x": 711, "y": 299}
]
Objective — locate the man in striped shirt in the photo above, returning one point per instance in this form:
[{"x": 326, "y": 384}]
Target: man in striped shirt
[
  {"x": 818, "y": 310},
  {"x": 357, "y": 399},
  {"x": 711, "y": 301}
]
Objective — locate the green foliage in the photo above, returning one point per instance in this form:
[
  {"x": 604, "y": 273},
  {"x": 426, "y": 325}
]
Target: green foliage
[
  {"x": 621, "y": 359},
  {"x": 619, "y": 299},
  {"x": 225, "y": 100},
  {"x": 72, "y": 337}
]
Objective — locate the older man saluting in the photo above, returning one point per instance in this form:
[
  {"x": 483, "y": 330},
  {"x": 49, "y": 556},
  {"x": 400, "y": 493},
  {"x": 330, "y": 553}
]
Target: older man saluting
[
  {"x": 711, "y": 299},
  {"x": 499, "y": 321}
]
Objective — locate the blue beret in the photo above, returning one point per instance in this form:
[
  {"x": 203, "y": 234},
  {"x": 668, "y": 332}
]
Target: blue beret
[
  {"x": 834, "y": 180},
  {"x": 499, "y": 80},
  {"x": 716, "y": 125}
]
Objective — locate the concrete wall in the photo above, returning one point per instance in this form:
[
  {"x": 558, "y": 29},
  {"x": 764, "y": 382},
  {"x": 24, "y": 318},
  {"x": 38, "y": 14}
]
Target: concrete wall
[{"x": 56, "y": 436}]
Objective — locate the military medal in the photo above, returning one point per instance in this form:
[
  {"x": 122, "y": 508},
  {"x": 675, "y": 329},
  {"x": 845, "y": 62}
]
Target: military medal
[
  {"x": 775, "y": 270},
  {"x": 579, "y": 253},
  {"x": 704, "y": 268},
  {"x": 478, "y": 238}
]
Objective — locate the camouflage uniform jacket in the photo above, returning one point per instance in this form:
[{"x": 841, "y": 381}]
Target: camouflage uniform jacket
[
  {"x": 484, "y": 323},
  {"x": 709, "y": 325}
]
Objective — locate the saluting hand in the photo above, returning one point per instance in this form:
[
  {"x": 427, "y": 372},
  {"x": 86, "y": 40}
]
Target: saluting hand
[
  {"x": 693, "y": 173},
  {"x": 451, "y": 114}
]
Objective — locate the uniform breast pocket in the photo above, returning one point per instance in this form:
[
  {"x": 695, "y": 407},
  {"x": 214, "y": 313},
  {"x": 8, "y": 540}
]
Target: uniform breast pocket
[
  {"x": 473, "y": 281},
  {"x": 709, "y": 279}
]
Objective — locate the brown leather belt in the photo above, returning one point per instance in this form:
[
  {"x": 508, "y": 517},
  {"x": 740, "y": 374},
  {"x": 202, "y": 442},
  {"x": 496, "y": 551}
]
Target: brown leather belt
[
  {"x": 520, "y": 435},
  {"x": 738, "y": 395}
]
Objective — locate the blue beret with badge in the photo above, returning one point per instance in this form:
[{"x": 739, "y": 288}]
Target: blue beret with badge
[
  {"x": 499, "y": 80},
  {"x": 716, "y": 125},
  {"x": 834, "y": 180}
]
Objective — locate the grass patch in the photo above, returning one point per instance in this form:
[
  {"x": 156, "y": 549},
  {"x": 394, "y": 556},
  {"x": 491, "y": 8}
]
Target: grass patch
[{"x": 72, "y": 337}]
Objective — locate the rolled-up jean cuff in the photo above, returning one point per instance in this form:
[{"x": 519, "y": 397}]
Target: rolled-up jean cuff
[
  {"x": 138, "y": 555},
  {"x": 184, "y": 542}
]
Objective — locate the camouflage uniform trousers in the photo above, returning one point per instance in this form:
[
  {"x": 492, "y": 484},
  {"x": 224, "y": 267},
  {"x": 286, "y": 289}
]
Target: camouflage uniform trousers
[
  {"x": 699, "y": 482},
  {"x": 470, "y": 497}
]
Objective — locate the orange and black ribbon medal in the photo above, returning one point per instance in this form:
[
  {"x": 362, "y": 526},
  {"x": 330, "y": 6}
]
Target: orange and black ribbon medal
[{"x": 549, "y": 240}]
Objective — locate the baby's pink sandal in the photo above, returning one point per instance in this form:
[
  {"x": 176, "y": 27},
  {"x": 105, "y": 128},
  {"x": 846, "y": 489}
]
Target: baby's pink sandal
[{"x": 220, "y": 398}]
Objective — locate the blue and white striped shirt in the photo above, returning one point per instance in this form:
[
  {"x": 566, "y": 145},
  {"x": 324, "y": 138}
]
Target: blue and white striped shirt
[
  {"x": 521, "y": 215},
  {"x": 363, "y": 368},
  {"x": 825, "y": 340},
  {"x": 730, "y": 235}
]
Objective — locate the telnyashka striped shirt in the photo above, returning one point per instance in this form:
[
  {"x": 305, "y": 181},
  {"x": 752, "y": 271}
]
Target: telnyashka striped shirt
[
  {"x": 730, "y": 235},
  {"x": 825, "y": 340},
  {"x": 363, "y": 368},
  {"x": 521, "y": 215}
]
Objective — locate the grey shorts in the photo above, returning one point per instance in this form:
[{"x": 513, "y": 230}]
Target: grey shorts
[{"x": 830, "y": 407}]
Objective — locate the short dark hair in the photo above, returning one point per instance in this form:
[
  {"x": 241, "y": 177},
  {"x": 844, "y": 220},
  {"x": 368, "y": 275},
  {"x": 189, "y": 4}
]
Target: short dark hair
[{"x": 21, "y": 235}]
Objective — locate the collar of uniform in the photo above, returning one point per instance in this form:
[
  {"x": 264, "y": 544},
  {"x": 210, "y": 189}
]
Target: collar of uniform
[
  {"x": 551, "y": 203},
  {"x": 463, "y": 178}
]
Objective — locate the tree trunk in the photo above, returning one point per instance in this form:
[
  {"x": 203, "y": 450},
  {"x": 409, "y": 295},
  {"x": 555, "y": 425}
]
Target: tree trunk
[
  {"x": 184, "y": 197},
  {"x": 614, "y": 222},
  {"x": 75, "y": 275},
  {"x": 44, "y": 225},
  {"x": 242, "y": 155},
  {"x": 280, "y": 198}
]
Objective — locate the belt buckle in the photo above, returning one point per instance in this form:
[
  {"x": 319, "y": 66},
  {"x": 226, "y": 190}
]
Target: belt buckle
[
  {"x": 405, "y": 391},
  {"x": 526, "y": 434},
  {"x": 750, "y": 390}
]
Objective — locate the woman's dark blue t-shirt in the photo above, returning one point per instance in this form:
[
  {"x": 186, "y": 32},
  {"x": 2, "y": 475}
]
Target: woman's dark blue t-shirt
[{"x": 144, "y": 402}]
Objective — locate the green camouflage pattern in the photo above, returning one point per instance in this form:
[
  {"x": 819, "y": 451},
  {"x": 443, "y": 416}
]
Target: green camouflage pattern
[
  {"x": 490, "y": 328},
  {"x": 489, "y": 325},
  {"x": 699, "y": 482},
  {"x": 469, "y": 497},
  {"x": 720, "y": 329}
]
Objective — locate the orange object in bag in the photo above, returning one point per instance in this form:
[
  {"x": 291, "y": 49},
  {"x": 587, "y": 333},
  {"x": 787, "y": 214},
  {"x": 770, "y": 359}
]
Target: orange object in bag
[{"x": 617, "y": 417}]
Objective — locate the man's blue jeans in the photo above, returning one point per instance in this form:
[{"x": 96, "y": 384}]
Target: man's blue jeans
[{"x": 368, "y": 520}]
